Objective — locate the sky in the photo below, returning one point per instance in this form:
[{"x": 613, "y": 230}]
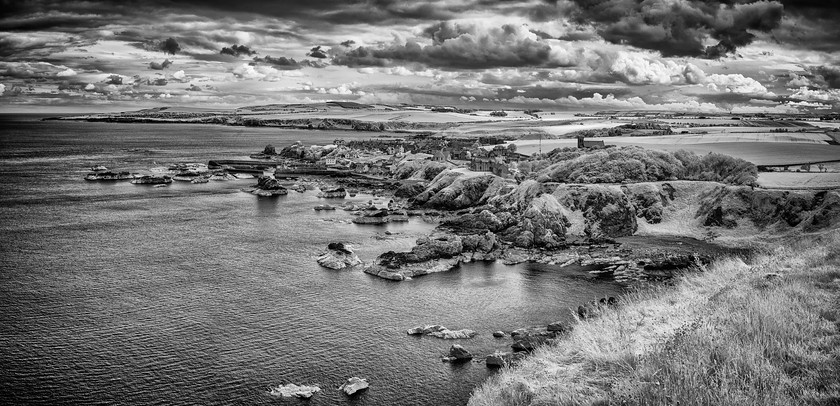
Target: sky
[{"x": 740, "y": 56}]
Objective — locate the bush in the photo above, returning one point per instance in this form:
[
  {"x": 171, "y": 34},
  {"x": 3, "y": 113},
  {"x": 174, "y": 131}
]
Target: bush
[{"x": 636, "y": 164}]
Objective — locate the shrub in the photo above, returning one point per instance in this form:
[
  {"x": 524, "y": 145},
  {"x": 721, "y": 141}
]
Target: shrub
[{"x": 636, "y": 164}]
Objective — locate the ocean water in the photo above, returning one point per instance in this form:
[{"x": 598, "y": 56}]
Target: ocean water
[{"x": 113, "y": 293}]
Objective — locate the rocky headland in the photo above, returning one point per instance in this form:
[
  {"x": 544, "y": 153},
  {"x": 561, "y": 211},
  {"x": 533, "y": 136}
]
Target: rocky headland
[{"x": 486, "y": 217}]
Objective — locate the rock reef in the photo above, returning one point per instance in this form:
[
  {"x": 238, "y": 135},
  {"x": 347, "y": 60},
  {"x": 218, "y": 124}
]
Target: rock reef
[
  {"x": 339, "y": 256},
  {"x": 296, "y": 391}
]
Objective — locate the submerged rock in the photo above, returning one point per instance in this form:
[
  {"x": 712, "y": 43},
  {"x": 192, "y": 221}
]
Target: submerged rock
[
  {"x": 339, "y": 256},
  {"x": 354, "y": 385},
  {"x": 297, "y": 391}
]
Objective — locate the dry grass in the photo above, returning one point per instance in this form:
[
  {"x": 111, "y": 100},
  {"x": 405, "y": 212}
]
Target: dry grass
[{"x": 728, "y": 335}]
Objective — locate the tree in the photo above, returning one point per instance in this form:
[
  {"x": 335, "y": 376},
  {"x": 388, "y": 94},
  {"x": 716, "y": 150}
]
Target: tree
[{"x": 511, "y": 147}]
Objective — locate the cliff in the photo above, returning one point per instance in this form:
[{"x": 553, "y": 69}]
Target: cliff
[{"x": 549, "y": 215}]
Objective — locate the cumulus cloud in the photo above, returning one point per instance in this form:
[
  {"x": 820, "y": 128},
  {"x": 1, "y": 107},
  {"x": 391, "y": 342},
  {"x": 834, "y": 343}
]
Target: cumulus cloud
[
  {"x": 737, "y": 83},
  {"x": 261, "y": 72},
  {"x": 349, "y": 43},
  {"x": 237, "y": 50},
  {"x": 317, "y": 52},
  {"x": 169, "y": 46},
  {"x": 637, "y": 69},
  {"x": 65, "y": 73},
  {"x": 599, "y": 101},
  {"x": 679, "y": 28},
  {"x": 820, "y": 95},
  {"x": 460, "y": 45},
  {"x": 160, "y": 65},
  {"x": 179, "y": 75},
  {"x": 2, "y": 89},
  {"x": 809, "y": 105}
]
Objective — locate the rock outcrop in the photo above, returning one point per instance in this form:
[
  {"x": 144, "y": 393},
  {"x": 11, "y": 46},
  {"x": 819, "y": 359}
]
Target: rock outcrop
[
  {"x": 730, "y": 206},
  {"x": 297, "y": 391},
  {"x": 459, "y": 354},
  {"x": 354, "y": 385},
  {"x": 333, "y": 193},
  {"x": 441, "y": 332},
  {"x": 268, "y": 186},
  {"x": 382, "y": 216},
  {"x": 437, "y": 253},
  {"x": 453, "y": 190},
  {"x": 502, "y": 359},
  {"x": 339, "y": 256}
]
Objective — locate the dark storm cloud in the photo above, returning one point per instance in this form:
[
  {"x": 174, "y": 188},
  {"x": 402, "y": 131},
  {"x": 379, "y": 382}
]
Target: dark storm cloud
[
  {"x": 237, "y": 50},
  {"x": 114, "y": 80},
  {"x": 317, "y": 52},
  {"x": 284, "y": 63},
  {"x": 349, "y": 43},
  {"x": 160, "y": 65},
  {"x": 169, "y": 46},
  {"x": 826, "y": 76},
  {"x": 679, "y": 28},
  {"x": 457, "y": 45},
  {"x": 810, "y": 24}
]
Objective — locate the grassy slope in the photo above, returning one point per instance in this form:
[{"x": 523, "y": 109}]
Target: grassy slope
[{"x": 731, "y": 335}]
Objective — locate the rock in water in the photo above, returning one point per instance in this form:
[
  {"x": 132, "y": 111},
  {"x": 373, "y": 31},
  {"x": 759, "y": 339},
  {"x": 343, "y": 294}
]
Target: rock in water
[
  {"x": 297, "y": 391},
  {"x": 338, "y": 192},
  {"x": 354, "y": 385},
  {"x": 416, "y": 331},
  {"x": 500, "y": 359},
  {"x": 339, "y": 256},
  {"x": 459, "y": 354},
  {"x": 453, "y": 334}
]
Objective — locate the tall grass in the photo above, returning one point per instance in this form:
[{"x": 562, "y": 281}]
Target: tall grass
[{"x": 764, "y": 334}]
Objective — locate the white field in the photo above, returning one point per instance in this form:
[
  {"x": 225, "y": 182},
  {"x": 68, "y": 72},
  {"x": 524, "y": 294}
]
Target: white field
[
  {"x": 825, "y": 124},
  {"x": 759, "y": 153},
  {"x": 566, "y": 128},
  {"x": 814, "y": 138},
  {"x": 740, "y": 129},
  {"x": 402, "y": 115},
  {"x": 799, "y": 180}
]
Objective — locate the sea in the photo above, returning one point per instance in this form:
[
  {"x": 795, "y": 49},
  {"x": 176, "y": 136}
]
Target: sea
[{"x": 201, "y": 294}]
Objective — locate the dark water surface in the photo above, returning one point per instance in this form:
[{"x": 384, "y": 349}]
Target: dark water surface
[{"x": 113, "y": 293}]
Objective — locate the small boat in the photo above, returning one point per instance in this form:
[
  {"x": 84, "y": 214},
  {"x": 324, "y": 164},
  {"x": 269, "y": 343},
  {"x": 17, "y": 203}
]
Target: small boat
[{"x": 322, "y": 207}]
